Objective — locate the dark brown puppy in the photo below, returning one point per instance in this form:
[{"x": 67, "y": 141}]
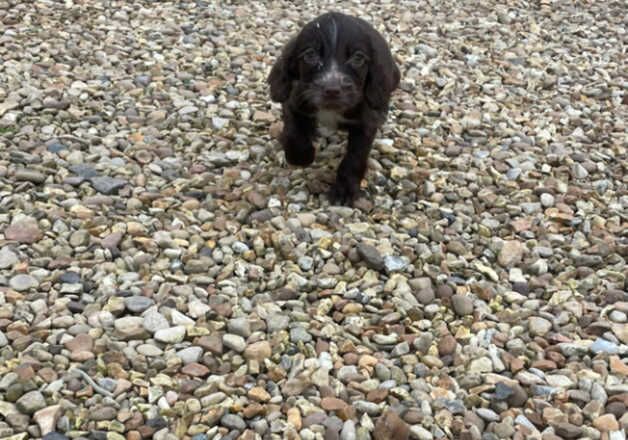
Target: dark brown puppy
[{"x": 337, "y": 71}]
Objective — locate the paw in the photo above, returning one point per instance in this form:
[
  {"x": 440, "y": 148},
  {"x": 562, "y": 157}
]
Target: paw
[
  {"x": 344, "y": 193},
  {"x": 300, "y": 156}
]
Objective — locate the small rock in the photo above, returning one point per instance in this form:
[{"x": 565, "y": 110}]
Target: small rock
[
  {"x": 107, "y": 185},
  {"x": 510, "y": 254},
  {"x": 603, "y": 346},
  {"x": 299, "y": 334},
  {"x": 23, "y": 282},
  {"x": 606, "y": 423},
  {"x": 539, "y": 326},
  {"x": 481, "y": 365},
  {"x": 394, "y": 263},
  {"x": 24, "y": 231},
  {"x": 371, "y": 256},
  {"x": 138, "y": 304},
  {"x": 7, "y": 258},
  {"x": 234, "y": 342},
  {"x": 31, "y": 402},
  {"x": 172, "y": 335},
  {"x": 391, "y": 427},
  {"x": 46, "y": 418},
  {"x": 462, "y": 304},
  {"x": 233, "y": 421},
  {"x": 258, "y": 351}
]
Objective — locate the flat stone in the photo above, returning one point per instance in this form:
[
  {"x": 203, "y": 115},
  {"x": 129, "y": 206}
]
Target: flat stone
[
  {"x": 24, "y": 231},
  {"x": 371, "y": 256},
  {"x": 258, "y": 351},
  {"x": 23, "y": 282},
  {"x": 7, "y": 258},
  {"x": 171, "y": 335},
  {"x": 462, "y": 304},
  {"x": 510, "y": 254},
  {"x": 31, "y": 402},
  {"x": 539, "y": 326},
  {"x": 234, "y": 342},
  {"x": 390, "y": 426},
  {"x": 107, "y": 185},
  {"x": 138, "y": 304}
]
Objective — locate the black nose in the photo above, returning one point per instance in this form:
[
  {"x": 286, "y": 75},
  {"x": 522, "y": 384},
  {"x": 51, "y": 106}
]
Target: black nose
[{"x": 332, "y": 92}]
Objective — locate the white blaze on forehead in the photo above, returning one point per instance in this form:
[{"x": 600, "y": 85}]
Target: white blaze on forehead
[{"x": 333, "y": 74}]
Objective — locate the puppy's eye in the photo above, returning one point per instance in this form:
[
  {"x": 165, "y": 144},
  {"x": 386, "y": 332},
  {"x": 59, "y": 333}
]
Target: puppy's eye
[
  {"x": 310, "y": 56},
  {"x": 358, "y": 59}
]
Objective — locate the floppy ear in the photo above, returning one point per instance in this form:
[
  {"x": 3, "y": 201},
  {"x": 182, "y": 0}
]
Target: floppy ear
[
  {"x": 283, "y": 73},
  {"x": 383, "y": 75}
]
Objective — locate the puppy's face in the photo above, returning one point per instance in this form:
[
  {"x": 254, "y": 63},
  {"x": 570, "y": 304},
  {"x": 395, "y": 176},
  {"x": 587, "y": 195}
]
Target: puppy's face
[
  {"x": 335, "y": 63},
  {"x": 332, "y": 61}
]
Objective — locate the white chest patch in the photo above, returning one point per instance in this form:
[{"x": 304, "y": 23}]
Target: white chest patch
[{"x": 329, "y": 118}]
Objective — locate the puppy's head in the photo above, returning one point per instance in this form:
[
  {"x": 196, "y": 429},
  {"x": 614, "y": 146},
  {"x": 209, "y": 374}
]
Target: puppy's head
[{"x": 335, "y": 63}]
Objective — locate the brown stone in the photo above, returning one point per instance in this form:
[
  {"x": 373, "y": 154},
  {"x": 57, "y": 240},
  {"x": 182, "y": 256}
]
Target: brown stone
[
  {"x": 618, "y": 366},
  {"x": 544, "y": 364},
  {"x": 516, "y": 365},
  {"x": 24, "y": 231},
  {"x": 332, "y": 403},
  {"x": 82, "y": 342},
  {"x": 567, "y": 430},
  {"x": 133, "y": 435},
  {"x": 377, "y": 395},
  {"x": 25, "y": 372},
  {"x": 447, "y": 345},
  {"x": 606, "y": 423},
  {"x": 195, "y": 369},
  {"x": 390, "y": 427},
  {"x": 48, "y": 374},
  {"x": 212, "y": 343},
  {"x": 294, "y": 418},
  {"x": 413, "y": 416},
  {"x": 258, "y": 351},
  {"x": 134, "y": 422},
  {"x": 253, "y": 410},
  {"x": 259, "y": 394}
]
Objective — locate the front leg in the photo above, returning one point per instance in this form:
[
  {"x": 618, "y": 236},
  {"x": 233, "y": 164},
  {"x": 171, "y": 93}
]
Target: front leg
[
  {"x": 352, "y": 169},
  {"x": 296, "y": 138}
]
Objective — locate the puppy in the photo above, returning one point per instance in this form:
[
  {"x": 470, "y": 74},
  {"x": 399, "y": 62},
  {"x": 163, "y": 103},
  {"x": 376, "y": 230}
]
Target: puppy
[{"x": 338, "y": 71}]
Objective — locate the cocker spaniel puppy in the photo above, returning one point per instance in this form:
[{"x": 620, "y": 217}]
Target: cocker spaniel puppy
[{"x": 338, "y": 71}]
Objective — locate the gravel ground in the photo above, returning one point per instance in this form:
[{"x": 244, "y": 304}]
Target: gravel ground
[{"x": 164, "y": 274}]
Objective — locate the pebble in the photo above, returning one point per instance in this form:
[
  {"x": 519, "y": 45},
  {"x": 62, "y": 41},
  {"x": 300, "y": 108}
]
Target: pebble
[
  {"x": 539, "y": 326},
  {"x": 31, "y": 402},
  {"x": 138, "y": 304},
  {"x": 462, "y": 304},
  {"x": 171, "y": 335},
  {"x": 23, "y": 282},
  {"x": 7, "y": 258},
  {"x": 234, "y": 342},
  {"x": 371, "y": 256},
  {"x": 107, "y": 185}
]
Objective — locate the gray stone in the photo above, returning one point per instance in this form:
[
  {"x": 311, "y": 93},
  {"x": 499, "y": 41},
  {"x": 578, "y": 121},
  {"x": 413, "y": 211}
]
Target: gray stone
[
  {"x": 234, "y": 342},
  {"x": 299, "y": 334},
  {"x": 154, "y": 321},
  {"x": 23, "y": 282},
  {"x": 233, "y": 421},
  {"x": 171, "y": 335},
  {"x": 138, "y": 304},
  {"x": 107, "y": 185},
  {"x": 239, "y": 326},
  {"x": 462, "y": 304},
  {"x": 7, "y": 258},
  {"x": 31, "y": 402},
  {"x": 371, "y": 256}
]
